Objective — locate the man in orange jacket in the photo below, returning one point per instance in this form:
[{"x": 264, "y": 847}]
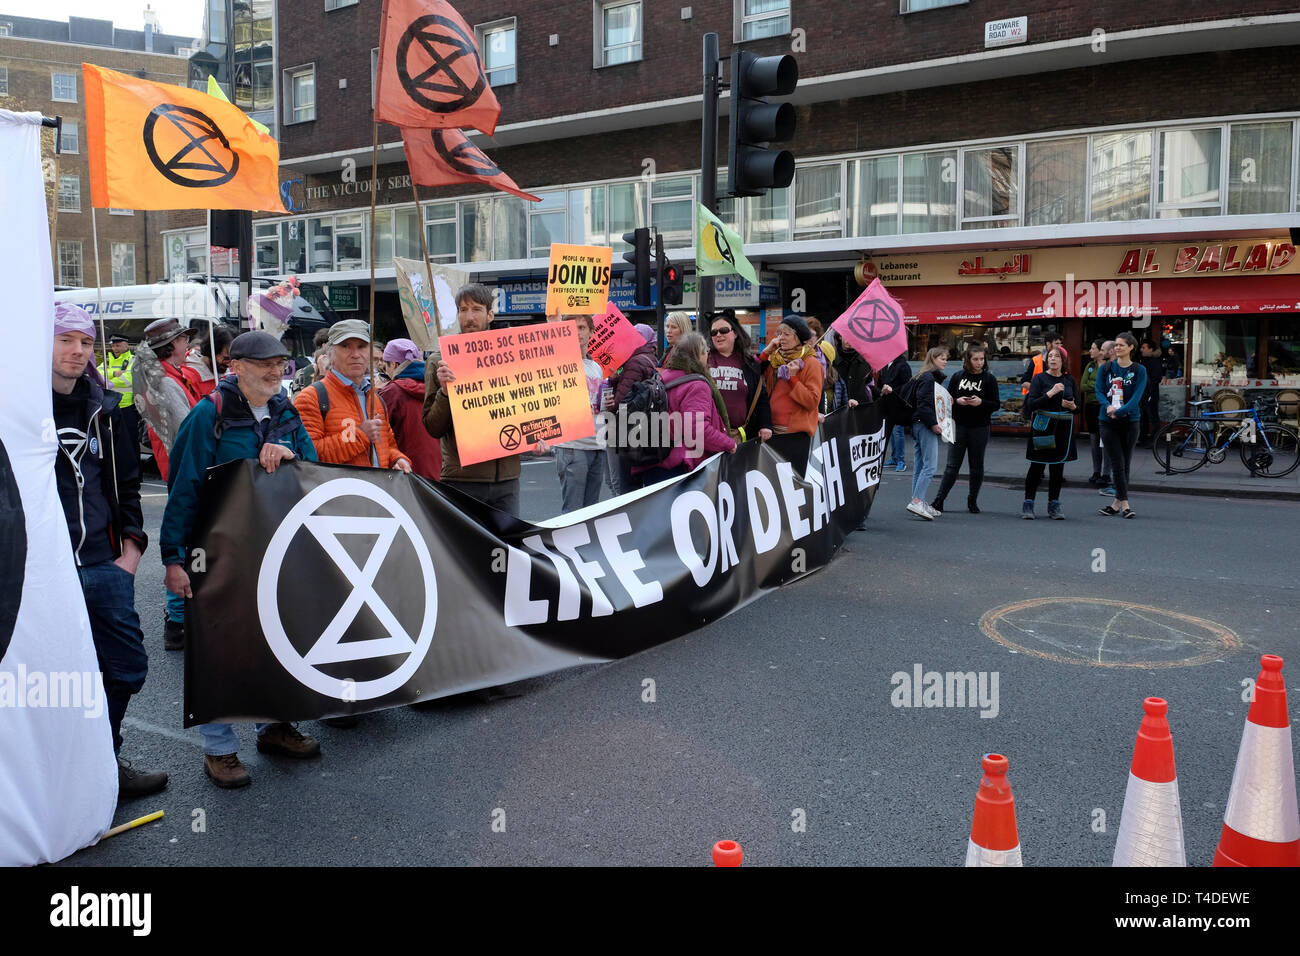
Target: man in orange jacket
[
  {"x": 345, "y": 418},
  {"x": 1052, "y": 341}
]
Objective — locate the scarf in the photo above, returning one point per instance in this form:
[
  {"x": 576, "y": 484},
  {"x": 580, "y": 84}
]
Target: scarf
[
  {"x": 684, "y": 363},
  {"x": 779, "y": 358}
]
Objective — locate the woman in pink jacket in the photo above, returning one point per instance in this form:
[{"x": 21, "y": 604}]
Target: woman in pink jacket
[{"x": 698, "y": 425}]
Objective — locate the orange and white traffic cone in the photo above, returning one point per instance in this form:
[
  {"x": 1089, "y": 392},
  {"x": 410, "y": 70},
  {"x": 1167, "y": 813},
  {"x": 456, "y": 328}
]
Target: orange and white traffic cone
[
  {"x": 993, "y": 837},
  {"x": 1151, "y": 823},
  {"x": 1261, "y": 826},
  {"x": 727, "y": 853}
]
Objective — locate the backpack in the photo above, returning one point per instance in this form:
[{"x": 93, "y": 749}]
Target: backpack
[
  {"x": 907, "y": 396},
  {"x": 650, "y": 398}
]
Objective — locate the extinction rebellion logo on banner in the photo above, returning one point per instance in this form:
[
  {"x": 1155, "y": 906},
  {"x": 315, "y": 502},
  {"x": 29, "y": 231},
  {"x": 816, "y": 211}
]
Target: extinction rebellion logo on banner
[
  {"x": 329, "y": 646},
  {"x": 866, "y": 453}
]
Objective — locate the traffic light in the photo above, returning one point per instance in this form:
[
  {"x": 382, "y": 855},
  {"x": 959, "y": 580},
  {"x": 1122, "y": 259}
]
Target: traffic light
[
  {"x": 672, "y": 290},
  {"x": 639, "y": 240},
  {"x": 753, "y": 169}
]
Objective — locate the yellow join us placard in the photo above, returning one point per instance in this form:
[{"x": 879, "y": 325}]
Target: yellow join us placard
[{"x": 577, "y": 281}]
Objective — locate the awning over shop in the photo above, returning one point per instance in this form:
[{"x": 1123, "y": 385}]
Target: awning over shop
[{"x": 1021, "y": 301}]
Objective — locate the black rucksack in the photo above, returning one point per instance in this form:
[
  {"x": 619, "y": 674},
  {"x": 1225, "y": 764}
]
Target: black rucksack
[{"x": 650, "y": 398}]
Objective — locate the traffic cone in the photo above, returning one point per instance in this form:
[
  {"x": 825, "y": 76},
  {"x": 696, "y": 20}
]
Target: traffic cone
[
  {"x": 993, "y": 837},
  {"x": 1260, "y": 825},
  {"x": 727, "y": 853},
  {"x": 1151, "y": 823}
]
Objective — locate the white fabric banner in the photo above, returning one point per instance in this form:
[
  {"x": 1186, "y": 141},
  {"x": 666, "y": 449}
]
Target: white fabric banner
[
  {"x": 58, "y": 776},
  {"x": 427, "y": 317}
]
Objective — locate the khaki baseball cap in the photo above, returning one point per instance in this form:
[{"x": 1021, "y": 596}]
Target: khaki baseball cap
[{"x": 349, "y": 329}]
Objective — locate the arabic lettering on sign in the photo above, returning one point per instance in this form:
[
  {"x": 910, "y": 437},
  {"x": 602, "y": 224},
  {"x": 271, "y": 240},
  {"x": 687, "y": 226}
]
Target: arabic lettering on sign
[{"x": 1016, "y": 265}]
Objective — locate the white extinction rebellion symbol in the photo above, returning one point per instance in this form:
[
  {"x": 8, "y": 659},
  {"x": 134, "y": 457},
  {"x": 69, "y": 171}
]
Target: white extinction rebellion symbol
[{"x": 329, "y": 648}]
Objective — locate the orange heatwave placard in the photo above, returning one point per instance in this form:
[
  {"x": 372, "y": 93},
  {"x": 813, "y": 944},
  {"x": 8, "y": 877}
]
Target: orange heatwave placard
[
  {"x": 154, "y": 146},
  {"x": 515, "y": 387}
]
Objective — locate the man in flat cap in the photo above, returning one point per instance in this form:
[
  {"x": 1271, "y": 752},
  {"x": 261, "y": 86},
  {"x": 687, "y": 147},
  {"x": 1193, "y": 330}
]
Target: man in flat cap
[
  {"x": 257, "y": 421},
  {"x": 97, "y": 472},
  {"x": 344, "y": 415}
]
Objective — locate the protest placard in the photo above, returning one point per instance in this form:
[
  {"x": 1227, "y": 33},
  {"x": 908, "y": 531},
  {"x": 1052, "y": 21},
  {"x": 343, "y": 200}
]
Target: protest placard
[
  {"x": 943, "y": 413},
  {"x": 428, "y": 317},
  {"x": 515, "y": 387},
  {"x": 578, "y": 279},
  {"x": 612, "y": 339}
]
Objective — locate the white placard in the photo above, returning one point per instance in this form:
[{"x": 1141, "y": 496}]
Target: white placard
[{"x": 943, "y": 412}]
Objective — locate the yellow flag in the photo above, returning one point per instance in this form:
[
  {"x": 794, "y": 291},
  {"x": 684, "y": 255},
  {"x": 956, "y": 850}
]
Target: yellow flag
[{"x": 155, "y": 146}]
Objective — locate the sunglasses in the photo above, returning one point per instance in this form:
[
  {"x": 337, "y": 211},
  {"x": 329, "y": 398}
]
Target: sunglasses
[{"x": 716, "y": 332}]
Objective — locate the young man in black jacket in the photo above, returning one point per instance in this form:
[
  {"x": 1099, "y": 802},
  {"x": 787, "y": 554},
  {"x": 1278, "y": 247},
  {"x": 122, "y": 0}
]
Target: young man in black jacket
[
  {"x": 975, "y": 398},
  {"x": 898, "y": 419},
  {"x": 97, "y": 471}
]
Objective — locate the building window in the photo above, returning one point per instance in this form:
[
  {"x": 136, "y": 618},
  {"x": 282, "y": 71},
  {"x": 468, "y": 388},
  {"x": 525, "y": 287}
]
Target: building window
[
  {"x": 818, "y": 202},
  {"x": 618, "y": 32},
  {"x": 70, "y": 262},
  {"x": 1190, "y": 164},
  {"x": 63, "y": 87},
  {"x": 587, "y": 216},
  {"x": 761, "y": 18},
  {"x": 70, "y": 142},
  {"x": 1121, "y": 176},
  {"x": 320, "y": 244},
  {"x": 912, "y": 6},
  {"x": 1259, "y": 168},
  {"x": 187, "y": 253},
  {"x": 266, "y": 249},
  {"x": 1056, "y": 182},
  {"x": 348, "y": 242},
  {"x": 374, "y": 75},
  {"x": 6, "y": 29},
  {"x": 626, "y": 213},
  {"x": 440, "y": 231},
  {"x": 992, "y": 188},
  {"x": 547, "y": 223},
  {"x": 4, "y": 81},
  {"x": 672, "y": 209},
  {"x": 69, "y": 194},
  {"x": 339, "y": 4},
  {"x": 873, "y": 188},
  {"x": 124, "y": 263},
  {"x": 497, "y": 41},
  {"x": 476, "y": 230},
  {"x": 767, "y": 217},
  {"x": 930, "y": 192},
  {"x": 121, "y": 212},
  {"x": 300, "y": 93}
]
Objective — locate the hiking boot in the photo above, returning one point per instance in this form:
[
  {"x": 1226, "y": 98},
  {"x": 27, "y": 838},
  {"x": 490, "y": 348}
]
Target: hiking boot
[
  {"x": 284, "y": 739},
  {"x": 174, "y": 635},
  {"x": 135, "y": 783},
  {"x": 1054, "y": 510},
  {"x": 226, "y": 771},
  {"x": 1027, "y": 510}
]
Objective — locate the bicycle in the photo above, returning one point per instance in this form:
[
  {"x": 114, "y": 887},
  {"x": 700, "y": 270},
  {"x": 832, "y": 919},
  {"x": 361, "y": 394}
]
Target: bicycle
[{"x": 1268, "y": 449}]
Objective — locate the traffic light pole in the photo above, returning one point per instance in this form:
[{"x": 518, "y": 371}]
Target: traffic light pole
[
  {"x": 708, "y": 159},
  {"x": 659, "y": 290}
]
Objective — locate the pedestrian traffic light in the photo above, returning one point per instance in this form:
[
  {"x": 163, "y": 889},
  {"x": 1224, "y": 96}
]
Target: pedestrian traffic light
[
  {"x": 753, "y": 169},
  {"x": 673, "y": 279},
  {"x": 639, "y": 240}
]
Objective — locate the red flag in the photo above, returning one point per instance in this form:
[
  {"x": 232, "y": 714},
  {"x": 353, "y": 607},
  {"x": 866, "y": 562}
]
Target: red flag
[
  {"x": 444, "y": 157},
  {"x": 430, "y": 74},
  {"x": 874, "y": 326}
]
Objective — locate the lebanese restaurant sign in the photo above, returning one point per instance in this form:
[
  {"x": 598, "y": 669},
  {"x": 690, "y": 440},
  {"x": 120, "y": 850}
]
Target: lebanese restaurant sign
[{"x": 1250, "y": 257}]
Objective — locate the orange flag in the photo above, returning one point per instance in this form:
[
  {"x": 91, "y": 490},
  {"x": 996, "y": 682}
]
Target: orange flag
[
  {"x": 444, "y": 157},
  {"x": 155, "y": 146},
  {"x": 430, "y": 74}
]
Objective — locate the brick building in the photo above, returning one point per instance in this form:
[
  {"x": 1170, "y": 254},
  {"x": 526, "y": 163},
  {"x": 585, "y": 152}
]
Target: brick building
[
  {"x": 40, "y": 69},
  {"x": 972, "y": 154}
]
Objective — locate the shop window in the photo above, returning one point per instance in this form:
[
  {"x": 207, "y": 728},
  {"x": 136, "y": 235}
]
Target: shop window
[
  {"x": 627, "y": 211},
  {"x": 510, "y": 228},
  {"x": 1283, "y": 345},
  {"x": 1188, "y": 184},
  {"x": 440, "y": 231},
  {"x": 1259, "y": 168},
  {"x": 618, "y": 32},
  {"x": 992, "y": 188},
  {"x": 70, "y": 262},
  {"x": 818, "y": 202},
  {"x": 546, "y": 222},
  {"x": 873, "y": 192},
  {"x": 672, "y": 209},
  {"x": 1056, "y": 182},
  {"x": 767, "y": 217},
  {"x": 1121, "y": 176},
  {"x": 587, "y": 216},
  {"x": 123, "y": 257},
  {"x": 930, "y": 192},
  {"x": 755, "y": 19},
  {"x": 497, "y": 42},
  {"x": 1224, "y": 351}
]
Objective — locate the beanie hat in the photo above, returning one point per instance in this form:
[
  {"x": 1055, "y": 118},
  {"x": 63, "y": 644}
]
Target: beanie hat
[{"x": 798, "y": 326}]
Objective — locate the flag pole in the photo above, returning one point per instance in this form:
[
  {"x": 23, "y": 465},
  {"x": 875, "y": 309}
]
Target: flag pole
[
  {"x": 374, "y": 187},
  {"x": 424, "y": 254},
  {"x": 211, "y": 292},
  {"x": 103, "y": 333}
]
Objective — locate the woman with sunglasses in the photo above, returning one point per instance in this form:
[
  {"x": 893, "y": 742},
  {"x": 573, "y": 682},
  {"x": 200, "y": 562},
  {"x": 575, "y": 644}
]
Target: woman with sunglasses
[{"x": 735, "y": 371}]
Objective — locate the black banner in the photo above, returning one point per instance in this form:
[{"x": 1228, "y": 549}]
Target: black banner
[{"x": 325, "y": 590}]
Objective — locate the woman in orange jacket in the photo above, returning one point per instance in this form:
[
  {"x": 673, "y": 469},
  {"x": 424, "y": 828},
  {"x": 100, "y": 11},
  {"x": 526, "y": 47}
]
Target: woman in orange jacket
[{"x": 793, "y": 377}]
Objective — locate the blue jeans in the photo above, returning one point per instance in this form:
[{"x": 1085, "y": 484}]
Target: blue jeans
[
  {"x": 119, "y": 643},
  {"x": 897, "y": 446},
  {"x": 175, "y": 607},
  {"x": 220, "y": 739},
  {"x": 582, "y": 472},
  {"x": 927, "y": 458}
]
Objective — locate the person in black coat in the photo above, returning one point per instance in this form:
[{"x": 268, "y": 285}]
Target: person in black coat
[
  {"x": 854, "y": 372},
  {"x": 891, "y": 380},
  {"x": 1153, "y": 361},
  {"x": 975, "y": 398},
  {"x": 1052, "y": 401}
]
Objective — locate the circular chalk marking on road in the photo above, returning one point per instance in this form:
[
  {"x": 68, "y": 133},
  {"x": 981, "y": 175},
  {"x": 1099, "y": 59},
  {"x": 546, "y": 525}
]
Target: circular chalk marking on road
[
  {"x": 13, "y": 550},
  {"x": 1078, "y": 630}
]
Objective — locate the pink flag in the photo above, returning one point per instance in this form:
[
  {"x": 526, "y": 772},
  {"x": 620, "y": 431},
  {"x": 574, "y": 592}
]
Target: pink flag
[
  {"x": 874, "y": 326},
  {"x": 612, "y": 339}
]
